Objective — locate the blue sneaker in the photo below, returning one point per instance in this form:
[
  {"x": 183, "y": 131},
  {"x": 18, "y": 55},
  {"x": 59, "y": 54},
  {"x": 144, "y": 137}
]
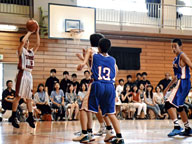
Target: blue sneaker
[
  {"x": 186, "y": 132},
  {"x": 117, "y": 141},
  {"x": 175, "y": 132}
]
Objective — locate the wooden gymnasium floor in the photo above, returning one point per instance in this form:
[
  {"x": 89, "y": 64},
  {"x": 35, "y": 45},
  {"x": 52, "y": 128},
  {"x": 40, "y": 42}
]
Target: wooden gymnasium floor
[{"x": 134, "y": 132}]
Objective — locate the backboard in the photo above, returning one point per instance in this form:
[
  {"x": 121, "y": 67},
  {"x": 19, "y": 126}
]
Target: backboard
[{"x": 64, "y": 19}]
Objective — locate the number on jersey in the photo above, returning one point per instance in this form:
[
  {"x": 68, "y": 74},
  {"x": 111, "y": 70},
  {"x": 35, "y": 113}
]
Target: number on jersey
[{"x": 106, "y": 71}]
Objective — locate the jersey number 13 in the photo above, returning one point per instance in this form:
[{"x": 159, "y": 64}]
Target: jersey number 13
[{"x": 106, "y": 73}]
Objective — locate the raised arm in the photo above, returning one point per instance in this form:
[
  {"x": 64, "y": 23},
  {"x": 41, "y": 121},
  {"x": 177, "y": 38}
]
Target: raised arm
[
  {"x": 22, "y": 43},
  {"x": 87, "y": 56},
  {"x": 36, "y": 47}
]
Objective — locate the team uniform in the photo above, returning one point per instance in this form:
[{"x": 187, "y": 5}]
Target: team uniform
[
  {"x": 84, "y": 105},
  {"x": 183, "y": 86},
  {"x": 102, "y": 89},
  {"x": 24, "y": 83}
]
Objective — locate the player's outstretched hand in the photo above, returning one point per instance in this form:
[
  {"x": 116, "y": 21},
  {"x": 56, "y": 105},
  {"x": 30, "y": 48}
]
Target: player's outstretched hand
[{"x": 80, "y": 67}]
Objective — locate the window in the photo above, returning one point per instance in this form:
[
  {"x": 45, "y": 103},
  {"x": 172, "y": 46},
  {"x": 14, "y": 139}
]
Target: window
[
  {"x": 126, "y": 58},
  {"x": 126, "y": 5}
]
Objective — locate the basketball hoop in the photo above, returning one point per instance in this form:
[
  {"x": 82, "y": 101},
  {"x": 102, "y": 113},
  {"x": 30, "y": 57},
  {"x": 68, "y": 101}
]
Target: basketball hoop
[{"x": 76, "y": 34}]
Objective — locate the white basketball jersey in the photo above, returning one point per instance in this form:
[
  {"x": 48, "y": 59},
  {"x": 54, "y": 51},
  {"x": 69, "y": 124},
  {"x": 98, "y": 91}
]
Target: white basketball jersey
[{"x": 26, "y": 60}]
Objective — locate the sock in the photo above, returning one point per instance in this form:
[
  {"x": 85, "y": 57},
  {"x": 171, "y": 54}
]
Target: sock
[
  {"x": 13, "y": 114},
  {"x": 186, "y": 124},
  {"x": 84, "y": 131},
  {"x": 89, "y": 131},
  {"x": 119, "y": 135},
  {"x": 176, "y": 124},
  {"x": 30, "y": 115},
  {"x": 108, "y": 127}
]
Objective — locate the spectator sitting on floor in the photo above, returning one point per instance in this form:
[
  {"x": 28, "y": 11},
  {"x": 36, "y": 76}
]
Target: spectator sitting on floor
[
  {"x": 127, "y": 100},
  {"x": 81, "y": 94},
  {"x": 72, "y": 103},
  {"x": 8, "y": 96},
  {"x": 159, "y": 99},
  {"x": 41, "y": 100},
  {"x": 50, "y": 82},
  {"x": 138, "y": 103},
  {"x": 149, "y": 100},
  {"x": 57, "y": 99}
]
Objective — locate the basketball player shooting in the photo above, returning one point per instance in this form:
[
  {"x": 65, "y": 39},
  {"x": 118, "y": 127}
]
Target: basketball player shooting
[{"x": 24, "y": 82}]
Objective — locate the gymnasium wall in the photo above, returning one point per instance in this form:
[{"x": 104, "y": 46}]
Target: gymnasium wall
[{"x": 156, "y": 57}]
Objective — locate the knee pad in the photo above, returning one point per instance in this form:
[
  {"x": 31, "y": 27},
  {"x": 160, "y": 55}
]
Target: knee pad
[
  {"x": 168, "y": 105},
  {"x": 180, "y": 109}
]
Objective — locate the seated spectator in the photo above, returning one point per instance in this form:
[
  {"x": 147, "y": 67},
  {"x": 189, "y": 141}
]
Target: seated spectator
[
  {"x": 87, "y": 78},
  {"x": 129, "y": 81},
  {"x": 75, "y": 82},
  {"x": 65, "y": 81},
  {"x": 119, "y": 89},
  {"x": 144, "y": 80},
  {"x": 72, "y": 103},
  {"x": 8, "y": 96},
  {"x": 81, "y": 94},
  {"x": 164, "y": 82},
  {"x": 138, "y": 79},
  {"x": 138, "y": 103},
  {"x": 57, "y": 99},
  {"x": 159, "y": 99},
  {"x": 41, "y": 100},
  {"x": 50, "y": 82},
  {"x": 149, "y": 100},
  {"x": 127, "y": 100}
]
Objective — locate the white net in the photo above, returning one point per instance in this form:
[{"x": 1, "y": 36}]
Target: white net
[{"x": 76, "y": 35}]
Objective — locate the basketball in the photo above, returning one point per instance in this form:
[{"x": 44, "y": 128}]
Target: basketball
[{"x": 32, "y": 25}]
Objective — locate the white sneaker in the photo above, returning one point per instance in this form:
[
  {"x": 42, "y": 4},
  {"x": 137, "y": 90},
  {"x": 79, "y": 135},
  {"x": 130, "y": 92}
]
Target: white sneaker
[
  {"x": 101, "y": 131},
  {"x": 109, "y": 136},
  {"x": 91, "y": 137},
  {"x": 83, "y": 138}
]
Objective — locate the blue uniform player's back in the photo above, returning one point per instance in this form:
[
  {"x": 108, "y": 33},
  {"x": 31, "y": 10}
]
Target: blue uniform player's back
[
  {"x": 103, "y": 68},
  {"x": 102, "y": 89}
]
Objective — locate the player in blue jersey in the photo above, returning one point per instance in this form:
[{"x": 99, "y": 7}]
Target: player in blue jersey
[
  {"x": 175, "y": 102},
  {"x": 102, "y": 93}
]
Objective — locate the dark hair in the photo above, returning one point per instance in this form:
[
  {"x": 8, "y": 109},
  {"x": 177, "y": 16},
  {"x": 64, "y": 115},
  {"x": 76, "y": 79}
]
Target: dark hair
[
  {"x": 21, "y": 38},
  {"x": 94, "y": 39},
  {"x": 53, "y": 70},
  {"x": 54, "y": 86},
  {"x": 39, "y": 87},
  {"x": 74, "y": 75},
  {"x": 159, "y": 88},
  {"x": 80, "y": 89},
  {"x": 104, "y": 45},
  {"x": 129, "y": 76},
  {"x": 65, "y": 73},
  {"x": 68, "y": 87},
  {"x": 144, "y": 73},
  {"x": 135, "y": 86},
  {"x": 178, "y": 41},
  {"x": 138, "y": 74},
  {"x": 124, "y": 89},
  {"x": 149, "y": 93},
  {"x": 7, "y": 82},
  {"x": 121, "y": 80},
  {"x": 86, "y": 71}
]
